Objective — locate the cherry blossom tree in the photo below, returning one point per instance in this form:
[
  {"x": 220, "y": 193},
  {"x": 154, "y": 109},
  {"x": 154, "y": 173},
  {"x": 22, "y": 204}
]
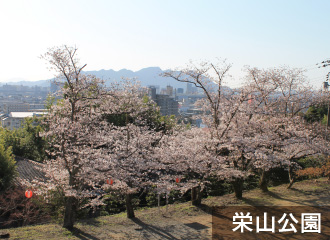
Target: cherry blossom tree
[
  {"x": 130, "y": 154},
  {"x": 102, "y": 139},
  {"x": 184, "y": 155},
  {"x": 256, "y": 126},
  {"x": 72, "y": 126},
  {"x": 281, "y": 94},
  {"x": 220, "y": 107}
]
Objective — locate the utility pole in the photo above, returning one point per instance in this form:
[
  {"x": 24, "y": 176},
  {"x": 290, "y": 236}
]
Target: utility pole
[{"x": 328, "y": 123}]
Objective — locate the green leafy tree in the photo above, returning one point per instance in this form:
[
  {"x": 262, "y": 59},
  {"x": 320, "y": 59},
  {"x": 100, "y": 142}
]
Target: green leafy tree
[
  {"x": 316, "y": 114},
  {"x": 11, "y": 138},
  {"x": 7, "y": 167},
  {"x": 154, "y": 120},
  {"x": 26, "y": 142},
  {"x": 33, "y": 146}
]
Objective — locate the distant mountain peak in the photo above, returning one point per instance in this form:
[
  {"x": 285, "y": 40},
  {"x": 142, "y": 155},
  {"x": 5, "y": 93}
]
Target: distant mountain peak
[{"x": 149, "y": 76}]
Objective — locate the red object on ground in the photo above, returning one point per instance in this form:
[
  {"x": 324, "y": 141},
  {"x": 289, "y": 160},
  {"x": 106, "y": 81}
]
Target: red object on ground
[
  {"x": 110, "y": 181},
  {"x": 28, "y": 193},
  {"x": 177, "y": 180}
]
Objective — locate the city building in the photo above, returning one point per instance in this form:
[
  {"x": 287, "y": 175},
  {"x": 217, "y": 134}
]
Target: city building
[
  {"x": 167, "y": 104},
  {"x": 169, "y": 90},
  {"x": 16, "y": 107},
  {"x": 22, "y": 107},
  {"x": 180, "y": 90},
  {"x": 15, "y": 120},
  {"x": 191, "y": 89}
]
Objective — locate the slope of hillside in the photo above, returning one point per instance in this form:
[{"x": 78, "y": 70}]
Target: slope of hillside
[{"x": 179, "y": 221}]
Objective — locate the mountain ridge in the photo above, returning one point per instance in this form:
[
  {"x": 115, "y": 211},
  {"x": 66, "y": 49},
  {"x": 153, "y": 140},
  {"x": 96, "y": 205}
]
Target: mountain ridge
[{"x": 149, "y": 76}]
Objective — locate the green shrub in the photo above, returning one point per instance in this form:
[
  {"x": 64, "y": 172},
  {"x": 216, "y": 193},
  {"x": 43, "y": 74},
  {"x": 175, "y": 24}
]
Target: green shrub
[
  {"x": 7, "y": 167},
  {"x": 313, "y": 161}
]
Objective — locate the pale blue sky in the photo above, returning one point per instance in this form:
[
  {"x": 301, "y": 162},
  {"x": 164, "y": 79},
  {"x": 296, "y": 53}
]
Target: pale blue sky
[{"x": 143, "y": 33}]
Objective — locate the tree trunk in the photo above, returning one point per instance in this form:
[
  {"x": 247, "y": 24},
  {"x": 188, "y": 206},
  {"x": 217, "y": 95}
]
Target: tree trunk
[
  {"x": 129, "y": 206},
  {"x": 166, "y": 202},
  {"x": 70, "y": 212},
  {"x": 238, "y": 188},
  {"x": 263, "y": 181},
  {"x": 291, "y": 177},
  {"x": 196, "y": 196},
  {"x": 158, "y": 198}
]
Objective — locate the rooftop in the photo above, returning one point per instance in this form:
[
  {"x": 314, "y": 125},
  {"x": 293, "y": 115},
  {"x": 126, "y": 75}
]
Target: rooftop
[
  {"x": 28, "y": 170},
  {"x": 25, "y": 114}
]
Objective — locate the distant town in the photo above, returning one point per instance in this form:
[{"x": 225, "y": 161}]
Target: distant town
[{"x": 18, "y": 102}]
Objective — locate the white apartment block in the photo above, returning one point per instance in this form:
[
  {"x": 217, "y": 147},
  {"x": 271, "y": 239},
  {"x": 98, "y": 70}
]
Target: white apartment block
[
  {"x": 22, "y": 107},
  {"x": 16, "y": 107},
  {"x": 15, "y": 120}
]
